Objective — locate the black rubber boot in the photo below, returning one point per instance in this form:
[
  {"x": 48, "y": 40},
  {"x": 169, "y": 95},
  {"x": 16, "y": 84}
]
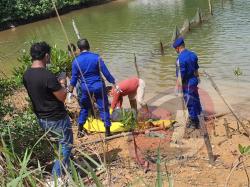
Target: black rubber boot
[
  {"x": 81, "y": 133},
  {"x": 193, "y": 124},
  {"x": 107, "y": 132}
]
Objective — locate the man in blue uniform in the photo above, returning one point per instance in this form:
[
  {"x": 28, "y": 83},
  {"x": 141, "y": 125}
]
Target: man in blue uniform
[
  {"x": 187, "y": 68},
  {"x": 89, "y": 66}
]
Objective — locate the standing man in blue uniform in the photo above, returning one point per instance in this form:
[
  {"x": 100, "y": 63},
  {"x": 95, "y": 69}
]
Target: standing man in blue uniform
[
  {"x": 187, "y": 68},
  {"x": 89, "y": 66}
]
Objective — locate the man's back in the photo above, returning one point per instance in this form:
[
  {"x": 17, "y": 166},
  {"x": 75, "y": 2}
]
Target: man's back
[
  {"x": 40, "y": 84},
  {"x": 91, "y": 66},
  {"x": 129, "y": 86},
  {"x": 188, "y": 63},
  {"x": 88, "y": 63}
]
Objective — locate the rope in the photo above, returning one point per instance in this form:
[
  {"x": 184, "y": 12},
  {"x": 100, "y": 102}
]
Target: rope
[
  {"x": 92, "y": 102},
  {"x": 67, "y": 38}
]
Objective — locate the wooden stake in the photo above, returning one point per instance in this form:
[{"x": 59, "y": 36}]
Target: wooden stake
[
  {"x": 238, "y": 127},
  {"x": 214, "y": 130},
  {"x": 227, "y": 129},
  {"x": 207, "y": 140},
  {"x": 76, "y": 30},
  {"x": 161, "y": 48},
  {"x": 228, "y": 105},
  {"x": 210, "y": 7},
  {"x": 136, "y": 67}
]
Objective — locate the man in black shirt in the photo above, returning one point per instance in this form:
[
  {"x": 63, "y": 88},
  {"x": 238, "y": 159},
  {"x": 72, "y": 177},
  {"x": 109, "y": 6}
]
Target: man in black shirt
[{"x": 47, "y": 97}]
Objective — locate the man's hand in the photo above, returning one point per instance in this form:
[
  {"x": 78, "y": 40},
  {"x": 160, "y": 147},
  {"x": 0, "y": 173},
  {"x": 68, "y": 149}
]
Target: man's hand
[
  {"x": 177, "y": 88},
  {"x": 63, "y": 82},
  {"x": 70, "y": 89}
]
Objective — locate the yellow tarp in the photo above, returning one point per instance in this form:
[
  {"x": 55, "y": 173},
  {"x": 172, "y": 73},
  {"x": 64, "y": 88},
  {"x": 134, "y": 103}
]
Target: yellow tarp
[{"x": 96, "y": 125}]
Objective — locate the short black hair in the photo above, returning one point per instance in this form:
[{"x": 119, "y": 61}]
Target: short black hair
[
  {"x": 83, "y": 44},
  {"x": 109, "y": 88},
  {"x": 72, "y": 47},
  {"x": 39, "y": 50}
]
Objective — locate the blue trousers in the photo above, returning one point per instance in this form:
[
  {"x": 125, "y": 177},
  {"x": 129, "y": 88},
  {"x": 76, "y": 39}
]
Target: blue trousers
[
  {"x": 63, "y": 131},
  {"x": 101, "y": 98},
  {"x": 192, "y": 99}
]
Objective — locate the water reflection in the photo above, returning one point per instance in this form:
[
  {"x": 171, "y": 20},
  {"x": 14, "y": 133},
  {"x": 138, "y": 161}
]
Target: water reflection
[{"x": 119, "y": 29}]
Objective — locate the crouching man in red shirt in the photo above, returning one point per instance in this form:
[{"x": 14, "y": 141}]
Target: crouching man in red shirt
[{"x": 134, "y": 88}]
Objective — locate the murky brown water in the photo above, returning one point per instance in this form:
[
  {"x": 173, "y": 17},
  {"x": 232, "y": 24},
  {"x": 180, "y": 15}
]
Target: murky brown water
[{"x": 117, "y": 30}]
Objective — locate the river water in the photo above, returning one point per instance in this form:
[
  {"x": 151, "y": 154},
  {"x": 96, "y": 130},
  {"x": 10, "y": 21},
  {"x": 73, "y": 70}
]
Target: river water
[{"x": 121, "y": 28}]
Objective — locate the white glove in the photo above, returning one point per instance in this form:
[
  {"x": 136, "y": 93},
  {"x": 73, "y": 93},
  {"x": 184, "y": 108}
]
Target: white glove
[
  {"x": 177, "y": 90},
  {"x": 69, "y": 97},
  {"x": 117, "y": 89}
]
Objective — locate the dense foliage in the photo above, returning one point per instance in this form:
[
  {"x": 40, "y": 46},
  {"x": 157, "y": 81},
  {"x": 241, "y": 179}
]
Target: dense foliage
[
  {"x": 26, "y": 151},
  {"x": 60, "y": 62},
  {"x": 19, "y": 10},
  {"x": 20, "y": 130}
]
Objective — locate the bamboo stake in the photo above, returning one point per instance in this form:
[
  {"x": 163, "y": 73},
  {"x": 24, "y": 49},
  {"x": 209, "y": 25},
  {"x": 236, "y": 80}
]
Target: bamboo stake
[
  {"x": 76, "y": 30},
  {"x": 184, "y": 105},
  {"x": 227, "y": 129},
  {"x": 210, "y": 7},
  {"x": 207, "y": 140},
  {"x": 227, "y": 104}
]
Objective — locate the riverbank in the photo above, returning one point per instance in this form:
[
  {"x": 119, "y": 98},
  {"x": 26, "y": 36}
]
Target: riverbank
[
  {"x": 13, "y": 23},
  {"x": 185, "y": 162}
]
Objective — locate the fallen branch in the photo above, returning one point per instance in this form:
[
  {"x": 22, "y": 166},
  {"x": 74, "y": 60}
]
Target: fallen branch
[
  {"x": 238, "y": 161},
  {"x": 228, "y": 105},
  {"x": 214, "y": 116},
  {"x": 97, "y": 174},
  {"x": 244, "y": 166},
  {"x": 222, "y": 141},
  {"x": 234, "y": 167},
  {"x": 124, "y": 134}
]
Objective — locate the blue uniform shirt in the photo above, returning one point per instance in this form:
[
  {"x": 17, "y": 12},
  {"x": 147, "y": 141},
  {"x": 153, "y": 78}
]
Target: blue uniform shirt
[
  {"x": 188, "y": 64},
  {"x": 89, "y": 65}
]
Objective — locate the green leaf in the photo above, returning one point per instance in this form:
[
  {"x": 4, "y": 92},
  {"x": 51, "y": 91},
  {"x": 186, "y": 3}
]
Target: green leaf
[
  {"x": 159, "y": 181},
  {"x": 74, "y": 172},
  {"x": 247, "y": 150},
  {"x": 241, "y": 149}
]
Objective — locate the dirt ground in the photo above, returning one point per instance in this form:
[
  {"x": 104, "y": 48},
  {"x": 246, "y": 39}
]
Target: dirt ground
[
  {"x": 192, "y": 169},
  {"x": 185, "y": 163}
]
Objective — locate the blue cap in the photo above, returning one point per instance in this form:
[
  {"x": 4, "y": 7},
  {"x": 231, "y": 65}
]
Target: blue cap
[{"x": 178, "y": 42}]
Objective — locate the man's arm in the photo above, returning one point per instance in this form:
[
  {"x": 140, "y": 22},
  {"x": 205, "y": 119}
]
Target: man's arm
[
  {"x": 116, "y": 100},
  {"x": 74, "y": 77},
  {"x": 56, "y": 87},
  {"x": 61, "y": 94},
  {"x": 106, "y": 72}
]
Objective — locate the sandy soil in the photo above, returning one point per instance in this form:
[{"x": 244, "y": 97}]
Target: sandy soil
[
  {"x": 192, "y": 169},
  {"x": 186, "y": 162}
]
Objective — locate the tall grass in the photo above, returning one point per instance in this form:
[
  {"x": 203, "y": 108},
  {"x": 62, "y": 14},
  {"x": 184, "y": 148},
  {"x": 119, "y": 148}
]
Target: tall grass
[{"x": 19, "y": 172}]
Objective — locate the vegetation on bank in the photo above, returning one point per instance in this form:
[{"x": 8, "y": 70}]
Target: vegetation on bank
[
  {"x": 19, "y": 130},
  {"x": 15, "y": 12},
  {"x": 26, "y": 151}
]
